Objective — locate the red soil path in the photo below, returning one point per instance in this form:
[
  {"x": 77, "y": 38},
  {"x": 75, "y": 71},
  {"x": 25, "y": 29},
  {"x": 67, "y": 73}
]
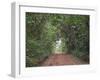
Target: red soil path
[{"x": 62, "y": 59}]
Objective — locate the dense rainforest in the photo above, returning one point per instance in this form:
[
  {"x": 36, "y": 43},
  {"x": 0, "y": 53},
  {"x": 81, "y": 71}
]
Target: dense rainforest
[{"x": 43, "y": 30}]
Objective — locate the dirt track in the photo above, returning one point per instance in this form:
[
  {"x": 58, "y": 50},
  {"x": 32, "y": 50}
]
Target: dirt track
[{"x": 61, "y": 59}]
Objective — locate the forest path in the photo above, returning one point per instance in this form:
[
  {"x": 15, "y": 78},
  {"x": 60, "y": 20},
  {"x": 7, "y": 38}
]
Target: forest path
[{"x": 62, "y": 59}]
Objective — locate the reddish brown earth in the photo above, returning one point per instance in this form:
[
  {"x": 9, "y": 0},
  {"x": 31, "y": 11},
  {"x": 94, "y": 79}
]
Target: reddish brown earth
[{"x": 62, "y": 59}]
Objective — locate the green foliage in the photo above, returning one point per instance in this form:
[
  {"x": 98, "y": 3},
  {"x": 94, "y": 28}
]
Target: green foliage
[
  {"x": 76, "y": 33},
  {"x": 43, "y": 30}
]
